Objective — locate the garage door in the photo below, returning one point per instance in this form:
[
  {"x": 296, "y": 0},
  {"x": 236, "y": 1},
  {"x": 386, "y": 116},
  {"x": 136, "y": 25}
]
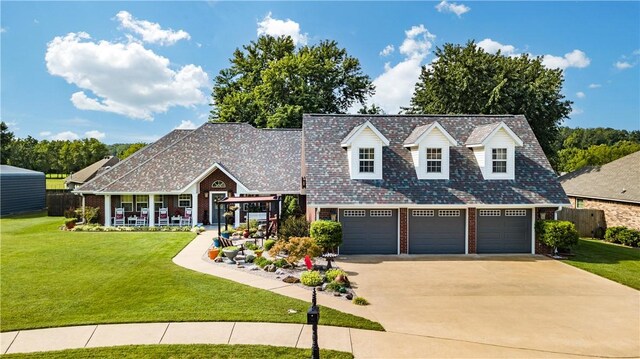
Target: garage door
[
  {"x": 369, "y": 231},
  {"x": 433, "y": 231},
  {"x": 504, "y": 231}
]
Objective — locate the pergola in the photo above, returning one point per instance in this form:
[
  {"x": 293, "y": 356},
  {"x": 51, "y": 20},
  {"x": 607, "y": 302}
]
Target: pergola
[{"x": 239, "y": 200}]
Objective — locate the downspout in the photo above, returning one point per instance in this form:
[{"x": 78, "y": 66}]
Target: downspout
[{"x": 555, "y": 214}]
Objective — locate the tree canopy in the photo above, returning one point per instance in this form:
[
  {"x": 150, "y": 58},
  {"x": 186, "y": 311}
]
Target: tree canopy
[
  {"x": 271, "y": 83},
  {"x": 6, "y": 137},
  {"x": 468, "y": 80}
]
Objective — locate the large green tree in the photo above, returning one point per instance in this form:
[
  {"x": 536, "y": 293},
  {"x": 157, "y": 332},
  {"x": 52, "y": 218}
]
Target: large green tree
[
  {"x": 6, "y": 138},
  {"x": 468, "y": 80},
  {"x": 271, "y": 83},
  {"x": 571, "y": 159}
]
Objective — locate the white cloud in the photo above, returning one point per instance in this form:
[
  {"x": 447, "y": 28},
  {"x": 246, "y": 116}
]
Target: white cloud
[
  {"x": 387, "y": 50},
  {"x": 186, "y": 125},
  {"x": 2, "y": 30},
  {"x": 66, "y": 135},
  {"x": 125, "y": 79},
  {"x": 576, "y": 111},
  {"x": 288, "y": 27},
  {"x": 623, "y": 65},
  {"x": 151, "y": 32},
  {"x": 445, "y": 6},
  {"x": 580, "y": 94},
  {"x": 594, "y": 86},
  {"x": 575, "y": 58},
  {"x": 493, "y": 47},
  {"x": 94, "y": 134},
  {"x": 45, "y": 133},
  {"x": 198, "y": 44},
  {"x": 395, "y": 85}
]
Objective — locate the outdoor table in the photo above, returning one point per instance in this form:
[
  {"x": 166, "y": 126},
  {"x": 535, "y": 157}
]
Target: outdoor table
[
  {"x": 132, "y": 220},
  {"x": 175, "y": 220}
]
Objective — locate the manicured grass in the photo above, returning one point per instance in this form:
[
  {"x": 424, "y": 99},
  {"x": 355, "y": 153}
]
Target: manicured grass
[
  {"x": 183, "y": 351},
  {"x": 54, "y": 183},
  {"x": 618, "y": 263},
  {"x": 54, "y": 278}
]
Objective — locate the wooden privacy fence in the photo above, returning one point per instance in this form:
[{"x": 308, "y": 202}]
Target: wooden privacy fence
[
  {"x": 587, "y": 221},
  {"x": 60, "y": 201}
]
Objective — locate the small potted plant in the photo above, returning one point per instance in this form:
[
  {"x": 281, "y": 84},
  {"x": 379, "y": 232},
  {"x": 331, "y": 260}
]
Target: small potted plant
[
  {"x": 258, "y": 252},
  {"x": 226, "y": 234},
  {"x": 70, "y": 222},
  {"x": 213, "y": 252},
  {"x": 230, "y": 252}
]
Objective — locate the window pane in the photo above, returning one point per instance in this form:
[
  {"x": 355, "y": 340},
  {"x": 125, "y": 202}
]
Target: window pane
[
  {"x": 434, "y": 153},
  {"x": 366, "y": 166},
  {"x": 500, "y": 166},
  {"x": 366, "y": 153},
  {"x": 499, "y": 154},
  {"x": 434, "y": 166},
  {"x": 126, "y": 202},
  {"x": 184, "y": 200},
  {"x": 366, "y": 156},
  {"x": 159, "y": 202},
  {"x": 142, "y": 201}
]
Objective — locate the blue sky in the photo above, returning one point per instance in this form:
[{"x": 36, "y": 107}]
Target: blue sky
[{"x": 133, "y": 71}]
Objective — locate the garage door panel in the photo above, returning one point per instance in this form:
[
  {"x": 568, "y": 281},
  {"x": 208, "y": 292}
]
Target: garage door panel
[
  {"x": 369, "y": 234},
  {"x": 502, "y": 233},
  {"x": 436, "y": 234}
]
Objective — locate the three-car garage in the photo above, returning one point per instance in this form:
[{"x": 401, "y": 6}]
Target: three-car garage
[{"x": 435, "y": 231}]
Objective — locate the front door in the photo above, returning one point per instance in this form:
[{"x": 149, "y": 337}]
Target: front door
[{"x": 213, "y": 207}]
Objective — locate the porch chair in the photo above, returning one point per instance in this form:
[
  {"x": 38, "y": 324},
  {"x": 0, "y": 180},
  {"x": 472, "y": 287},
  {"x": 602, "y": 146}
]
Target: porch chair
[
  {"x": 119, "y": 219},
  {"x": 143, "y": 218},
  {"x": 163, "y": 217},
  {"x": 186, "y": 219}
]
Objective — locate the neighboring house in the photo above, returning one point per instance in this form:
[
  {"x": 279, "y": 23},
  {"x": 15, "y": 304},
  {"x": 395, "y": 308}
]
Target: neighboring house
[
  {"x": 398, "y": 184},
  {"x": 429, "y": 184},
  {"x": 84, "y": 175},
  {"x": 192, "y": 168},
  {"x": 613, "y": 188},
  {"x": 21, "y": 190}
]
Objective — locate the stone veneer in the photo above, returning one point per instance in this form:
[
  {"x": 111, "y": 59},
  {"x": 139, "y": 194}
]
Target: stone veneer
[{"x": 615, "y": 213}]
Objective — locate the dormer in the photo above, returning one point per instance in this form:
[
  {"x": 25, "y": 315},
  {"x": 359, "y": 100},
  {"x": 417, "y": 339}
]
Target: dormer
[
  {"x": 493, "y": 146},
  {"x": 364, "y": 151},
  {"x": 429, "y": 146}
]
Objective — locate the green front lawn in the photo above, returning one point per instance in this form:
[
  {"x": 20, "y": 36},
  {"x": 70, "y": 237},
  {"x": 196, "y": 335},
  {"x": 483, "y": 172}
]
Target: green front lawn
[
  {"x": 618, "y": 263},
  {"x": 54, "y": 278},
  {"x": 182, "y": 351}
]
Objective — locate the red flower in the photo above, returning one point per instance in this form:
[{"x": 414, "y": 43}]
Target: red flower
[{"x": 307, "y": 261}]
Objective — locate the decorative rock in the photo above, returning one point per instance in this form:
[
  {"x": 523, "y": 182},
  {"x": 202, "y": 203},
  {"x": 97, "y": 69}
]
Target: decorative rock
[
  {"x": 287, "y": 266},
  {"x": 349, "y": 296},
  {"x": 320, "y": 288},
  {"x": 342, "y": 279},
  {"x": 240, "y": 266},
  {"x": 250, "y": 258},
  {"x": 337, "y": 294},
  {"x": 291, "y": 279},
  {"x": 254, "y": 267},
  {"x": 318, "y": 267},
  {"x": 280, "y": 271},
  {"x": 324, "y": 286},
  {"x": 218, "y": 260},
  {"x": 270, "y": 268},
  {"x": 292, "y": 311}
]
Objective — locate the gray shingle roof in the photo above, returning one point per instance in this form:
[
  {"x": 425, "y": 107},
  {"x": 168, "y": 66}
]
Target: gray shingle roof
[
  {"x": 90, "y": 171},
  {"x": 327, "y": 172},
  {"x": 617, "y": 180},
  {"x": 480, "y": 133},
  {"x": 262, "y": 160},
  {"x": 416, "y": 133}
]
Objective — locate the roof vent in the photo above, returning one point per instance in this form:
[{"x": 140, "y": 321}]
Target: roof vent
[{"x": 624, "y": 190}]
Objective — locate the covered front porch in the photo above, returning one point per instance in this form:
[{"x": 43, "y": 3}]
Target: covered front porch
[{"x": 151, "y": 210}]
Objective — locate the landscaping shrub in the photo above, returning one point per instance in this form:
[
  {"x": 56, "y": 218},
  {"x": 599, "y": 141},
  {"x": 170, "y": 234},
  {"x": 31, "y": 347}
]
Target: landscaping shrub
[
  {"x": 262, "y": 262},
  {"x": 333, "y": 286},
  {"x": 292, "y": 208},
  {"x": 360, "y": 301},
  {"x": 280, "y": 262},
  {"x": 296, "y": 248},
  {"x": 251, "y": 246},
  {"x": 70, "y": 213},
  {"x": 611, "y": 235},
  {"x": 331, "y": 274},
  {"x": 557, "y": 234},
  {"x": 268, "y": 244},
  {"x": 311, "y": 278},
  {"x": 328, "y": 234},
  {"x": 629, "y": 237},
  {"x": 253, "y": 224},
  {"x": 99, "y": 228},
  {"x": 250, "y": 258},
  {"x": 90, "y": 214},
  {"x": 294, "y": 227}
]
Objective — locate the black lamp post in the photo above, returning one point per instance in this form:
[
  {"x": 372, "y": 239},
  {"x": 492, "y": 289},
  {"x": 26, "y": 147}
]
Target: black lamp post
[{"x": 313, "y": 317}]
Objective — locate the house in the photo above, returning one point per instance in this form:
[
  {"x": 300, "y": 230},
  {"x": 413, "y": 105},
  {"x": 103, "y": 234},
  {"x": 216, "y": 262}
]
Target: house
[
  {"x": 613, "y": 188},
  {"x": 76, "y": 179},
  {"x": 428, "y": 184},
  {"x": 398, "y": 184},
  {"x": 193, "y": 168},
  {"x": 22, "y": 190}
]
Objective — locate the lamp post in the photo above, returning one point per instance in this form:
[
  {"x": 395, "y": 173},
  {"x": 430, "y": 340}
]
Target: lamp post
[{"x": 313, "y": 317}]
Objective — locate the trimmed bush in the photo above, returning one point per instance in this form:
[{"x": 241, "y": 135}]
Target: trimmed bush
[
  {"x": 629, "y": 237},
  {"x": 311, "y": 278},
  {"x": 331, "y": 274},
  {"x": 262, "y": 262},
  {"x": 294, "y": 227},
  {"x": 360, "y": 301},
  {"x": 611, "y": 235},
  {"x": 297, "y": 248},
  {"x": 557, "y": 234},
  {"x": 333, "y": 286},
  {"x": 279, "y": 263},
  {"x": 328, "y": 234},
  {"x": 268, "y": 244}
]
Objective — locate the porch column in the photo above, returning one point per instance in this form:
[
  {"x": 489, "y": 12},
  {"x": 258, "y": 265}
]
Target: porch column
[
  {"x": 194, "y": 209},
  {"x": 236, "y": 215},
  {"x": 152, "y": 210},
  {"x": 107, "y": 210}
]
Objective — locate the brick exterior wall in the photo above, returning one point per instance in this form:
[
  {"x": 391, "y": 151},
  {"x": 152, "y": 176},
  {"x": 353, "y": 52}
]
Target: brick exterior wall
[
  {"x": 615, "y": 213},
  {"x": 404, "y": 231},
  {"x": 547, "y": 213},
  {"x": 472, "y": 230},
  {"x": 205, "y": 187},
  {"x": 96, "y": 201}
]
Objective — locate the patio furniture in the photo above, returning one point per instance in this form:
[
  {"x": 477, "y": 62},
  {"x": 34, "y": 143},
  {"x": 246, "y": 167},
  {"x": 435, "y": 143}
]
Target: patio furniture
[
  {"x": 175, "y": 220},
  {"x": 118, "y": 220},
  {"x": 132, "y": 220},
  {"x": 163, "y": 217},
  {"x": 224, "y": 242},
  {"x": 143, "y": 218},
  {"x": 186, "y": 219}
]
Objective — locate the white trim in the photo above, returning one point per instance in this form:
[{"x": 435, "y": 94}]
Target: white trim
[
  {"x": 466, "y": 231},
  {"x": 107, "y": 210},
  {"x": 533, "y": 231},
  {"x": 398, "y": 249},
  {"x": 211, "y": 205},
  {"x": 348, "y": 141},
  {"x": 501, "y": 125},
  {"x": 428, "y": 130},
  {"x": 337, "y": 219},
  {"x": 210, "y": 170},
  {"x": 601, "y": 198}
]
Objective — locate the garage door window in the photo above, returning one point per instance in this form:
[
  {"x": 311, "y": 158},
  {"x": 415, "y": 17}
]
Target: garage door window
[
  {"x": 380, "y": 213},
  {"x": 354, "y": 213},
  {"x": 449, "y": 213},
  {"x": 515, "y": 212},
  {"x": 490, "y": 212},
  {"x": 423, "y": 213}
]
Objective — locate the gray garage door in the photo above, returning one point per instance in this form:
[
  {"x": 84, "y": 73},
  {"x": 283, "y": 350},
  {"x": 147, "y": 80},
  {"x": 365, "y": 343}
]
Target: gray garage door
[
  {"x": 369, "y": 231},
  {"x": 433, "y": 231},
  {"x": 504, "y": 231}
]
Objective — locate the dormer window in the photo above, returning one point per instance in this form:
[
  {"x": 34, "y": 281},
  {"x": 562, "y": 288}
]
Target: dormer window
[
  {"x": 434, "y": 160},
  {"x": 367, "y": 158},
  {"x": 499, "y": 159}
]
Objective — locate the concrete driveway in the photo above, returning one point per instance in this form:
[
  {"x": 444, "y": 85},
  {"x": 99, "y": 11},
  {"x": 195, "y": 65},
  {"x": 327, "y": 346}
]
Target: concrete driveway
[{"x": 525, "y": 306}]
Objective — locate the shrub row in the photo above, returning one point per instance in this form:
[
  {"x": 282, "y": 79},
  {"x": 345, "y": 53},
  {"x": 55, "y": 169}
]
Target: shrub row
[
  {"x": 99, "y": 228},
  {"x": 623, "y": 235},
  {"x": 557, "y": 234}
]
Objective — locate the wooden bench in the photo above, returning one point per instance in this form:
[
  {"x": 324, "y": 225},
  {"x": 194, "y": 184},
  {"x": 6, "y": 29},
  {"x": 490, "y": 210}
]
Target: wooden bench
[{"x": 225, "y": 242}]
